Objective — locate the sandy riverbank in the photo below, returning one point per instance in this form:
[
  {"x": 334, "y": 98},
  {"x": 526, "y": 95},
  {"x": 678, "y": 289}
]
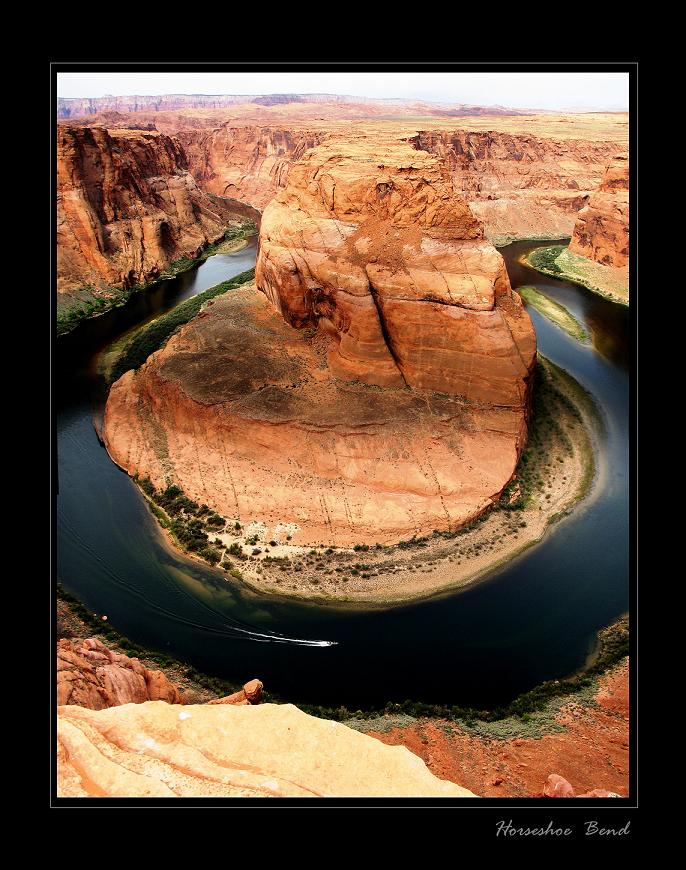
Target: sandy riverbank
[
  {"x": 555, "y": 473},
  {"x": 554, "y": 312},
  {"x": 559, "y": 262}
]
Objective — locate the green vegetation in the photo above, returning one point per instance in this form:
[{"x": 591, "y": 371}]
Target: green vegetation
[
  {"x": 543, "y": 259},
  {"x": 86, "y": 302},
  {"x": 152, "y": 338},
  {"x": 186, "y": 520},
  {"x": 561, "y": 263},
  {"x": 555, "y": 312}
]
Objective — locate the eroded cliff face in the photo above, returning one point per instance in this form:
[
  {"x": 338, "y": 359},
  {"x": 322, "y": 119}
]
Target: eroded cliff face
[
  {"x": 127, "y": 207},
  {"x": 383, "y": 255},
  {"x": 247, "y": 163},
  {"x": 396, "y": 405},
  {"x": 521, "y": 186},
  {"x": 601, "y": 231}
]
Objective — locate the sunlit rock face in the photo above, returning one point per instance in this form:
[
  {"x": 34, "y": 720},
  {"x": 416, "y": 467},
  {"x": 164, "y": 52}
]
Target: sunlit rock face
[
  {"x": 601, "y": 231},
  {"x": 165, "y": 751},
  {"x": 127, "y": 207},
  {"x": 370, "y": 242}
]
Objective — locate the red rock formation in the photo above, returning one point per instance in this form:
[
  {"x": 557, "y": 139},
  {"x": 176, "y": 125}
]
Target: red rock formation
[
  {"x": 127, "y": 207},
  {"x": 524, "y": 177},
  {"x": 269, "y": 423},
  {"x": 557, "y": 787},
  {"x": 91, "y": 675},
  {"x": 251, "y": 693},
  {"x": 370, "y": 242},
  {"x": 521, "y": 186},
  {"x": 247, "y": 163},
  {"x": 601, "y": 231},
  {"x": 590, "y": 748}
]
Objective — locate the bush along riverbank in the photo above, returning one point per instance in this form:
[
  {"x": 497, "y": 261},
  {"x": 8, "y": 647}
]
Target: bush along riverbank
[
  {"x": 86, "y": 302},
  {"x": 192, "y": 527},
  {"x": 560, "y": 262},
  {"x": 152, "y": 337}
]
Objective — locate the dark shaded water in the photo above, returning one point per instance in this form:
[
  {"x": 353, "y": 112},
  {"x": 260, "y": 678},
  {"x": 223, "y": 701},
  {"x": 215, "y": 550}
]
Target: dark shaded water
[{"x": 534, "y": 620}]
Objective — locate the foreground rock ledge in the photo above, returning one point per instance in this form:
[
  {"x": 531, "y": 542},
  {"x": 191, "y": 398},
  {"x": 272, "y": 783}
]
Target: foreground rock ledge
[
  {"x": 380, "y": 386},
  {"x": 153, "y": 750}
]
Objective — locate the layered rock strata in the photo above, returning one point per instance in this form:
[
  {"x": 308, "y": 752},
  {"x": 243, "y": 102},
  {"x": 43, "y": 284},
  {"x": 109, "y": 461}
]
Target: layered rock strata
[
  {"x": 601, "y": 231},
  {"x": 384, "y": 257},
  {"x": 396, "y": 406},
  {"x": 521, "y": 186},
  {"x": 158, "y": 750},
  {"x": 127, "y": 207},
  {"x": 248, "y": 163}
]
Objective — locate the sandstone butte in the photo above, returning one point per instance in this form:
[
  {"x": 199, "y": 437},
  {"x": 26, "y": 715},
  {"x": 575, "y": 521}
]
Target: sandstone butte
[
  {"x": 160, "y": 750},
  {"x": 377, "y": 387},
  {"x": 127, "y": 207},
  {"x": 601, "y": 231}
]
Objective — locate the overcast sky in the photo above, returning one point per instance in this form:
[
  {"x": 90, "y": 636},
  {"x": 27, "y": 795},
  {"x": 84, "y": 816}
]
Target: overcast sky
[{"x": 544, "y": 90}]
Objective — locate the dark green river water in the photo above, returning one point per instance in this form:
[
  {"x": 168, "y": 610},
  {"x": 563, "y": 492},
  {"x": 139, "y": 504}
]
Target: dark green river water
[{"x": 534, "y": 620}]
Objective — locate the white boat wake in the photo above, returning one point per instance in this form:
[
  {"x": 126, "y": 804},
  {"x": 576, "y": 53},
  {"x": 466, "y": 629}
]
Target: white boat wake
[{"x": 280, "y": 638}]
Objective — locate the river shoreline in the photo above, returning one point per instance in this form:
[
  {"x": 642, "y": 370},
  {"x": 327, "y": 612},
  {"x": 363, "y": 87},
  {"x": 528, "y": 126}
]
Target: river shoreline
[
  {"x": 231, "y": 241},
  {"x": 374, "y": 577},
  {"x": 514, "y": 718},
  {"x": 578, "y": 270}
]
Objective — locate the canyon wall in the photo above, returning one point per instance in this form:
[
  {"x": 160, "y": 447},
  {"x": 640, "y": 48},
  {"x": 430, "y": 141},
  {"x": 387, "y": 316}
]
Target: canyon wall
[
  {"x": 127, "y": 207},
  {"x": 601, "y": 231},
  {"x": 397, "y": 405},
  {"x": 247, "y": 163},
  {"x": 521, "y": 186}
]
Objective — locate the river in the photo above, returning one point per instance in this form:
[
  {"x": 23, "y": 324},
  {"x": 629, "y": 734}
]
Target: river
[{"x": 533, "y": 620}]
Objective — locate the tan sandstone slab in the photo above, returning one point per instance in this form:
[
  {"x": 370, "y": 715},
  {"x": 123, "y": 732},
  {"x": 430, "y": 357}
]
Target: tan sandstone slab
[{"x": 158, "y": 750}]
